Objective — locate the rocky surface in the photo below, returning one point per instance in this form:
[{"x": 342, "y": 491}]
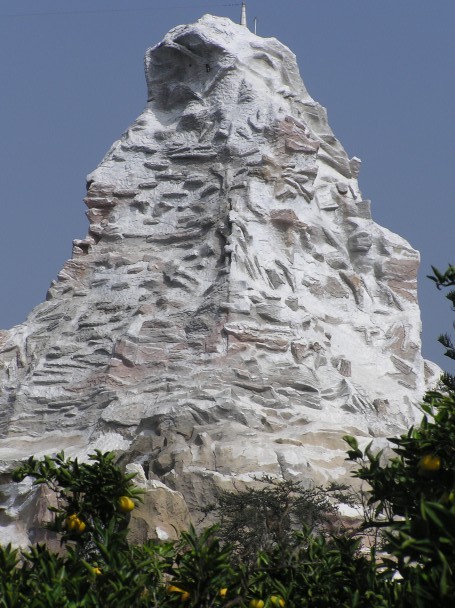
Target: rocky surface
[{"x": 234, "y": 309}]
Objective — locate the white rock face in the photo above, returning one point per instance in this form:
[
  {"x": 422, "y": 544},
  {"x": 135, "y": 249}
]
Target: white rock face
[{"x": 234, "y": 310}]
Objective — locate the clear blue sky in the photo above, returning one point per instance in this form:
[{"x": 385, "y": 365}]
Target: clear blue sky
[{"x": 72, "y": 81}]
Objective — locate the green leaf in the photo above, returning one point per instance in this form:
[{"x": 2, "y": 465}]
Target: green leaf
[{"x": 351, "y": 441}]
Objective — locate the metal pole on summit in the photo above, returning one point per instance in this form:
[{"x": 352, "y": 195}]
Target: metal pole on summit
[{"x": 243, "y": 16}]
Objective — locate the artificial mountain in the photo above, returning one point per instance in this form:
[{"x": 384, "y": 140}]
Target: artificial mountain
[{"x": 234, "y": 310}]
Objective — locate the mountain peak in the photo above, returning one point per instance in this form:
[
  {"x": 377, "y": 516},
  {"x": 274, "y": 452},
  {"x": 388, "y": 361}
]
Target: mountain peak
[{"x": 234, "y": 309}]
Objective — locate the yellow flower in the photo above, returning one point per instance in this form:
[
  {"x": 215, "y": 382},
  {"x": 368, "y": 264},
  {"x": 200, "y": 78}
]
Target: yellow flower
[
  {"x": 223, "y": 592},
  {"x": 430, "y": 463},
  {"x": 125, "y": 504},
  {"x": 277, "y": 601},
  {"x": 96, "y": 571}
]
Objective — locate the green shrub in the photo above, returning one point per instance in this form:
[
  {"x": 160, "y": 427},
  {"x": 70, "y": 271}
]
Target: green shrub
[{"x": 264, "y": 518}]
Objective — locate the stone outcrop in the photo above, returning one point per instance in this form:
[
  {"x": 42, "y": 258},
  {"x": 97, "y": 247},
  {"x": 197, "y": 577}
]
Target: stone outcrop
[
  {"x": 234, "y": 309},
  {"x": 162, "y": 513}
]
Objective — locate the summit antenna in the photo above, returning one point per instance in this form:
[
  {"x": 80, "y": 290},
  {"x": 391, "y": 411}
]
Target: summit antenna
[{"x": 243, "y": 15}]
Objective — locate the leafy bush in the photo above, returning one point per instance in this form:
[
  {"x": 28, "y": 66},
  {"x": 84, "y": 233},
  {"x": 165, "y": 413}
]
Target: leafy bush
[
  {"x": 264, "y": 518},
  {"x": 446, "y": 279},
  {"x": 90, "y": 496},
  {"x": 99, "y": 568}
]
